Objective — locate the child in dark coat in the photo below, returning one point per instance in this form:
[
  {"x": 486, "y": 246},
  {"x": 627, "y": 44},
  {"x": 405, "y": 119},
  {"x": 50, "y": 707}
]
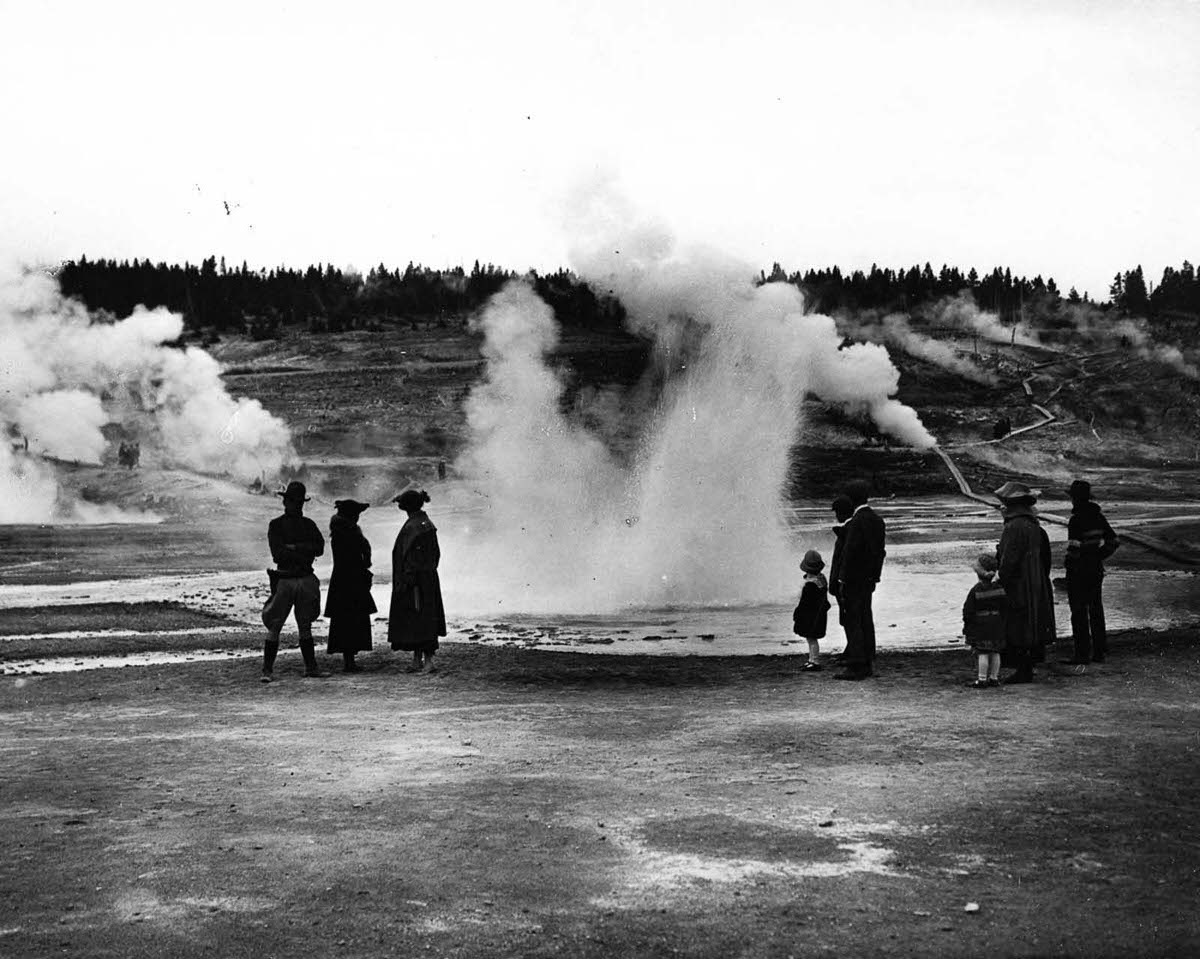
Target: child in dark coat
[
  {"x": 984, "y": 621},
  {"x": 811, "y": 613}
]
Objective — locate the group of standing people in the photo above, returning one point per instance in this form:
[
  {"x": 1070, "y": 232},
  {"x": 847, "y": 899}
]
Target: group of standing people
[
  {"x": 856, "y": 566},
  {"x": 416, "y": 616},
  {"x": 1008, "y": 616}
]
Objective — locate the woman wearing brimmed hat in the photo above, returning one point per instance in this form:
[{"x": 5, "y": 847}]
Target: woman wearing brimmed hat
[
  {"x": 416, "y": 618},
  {"x": 1023, "y": 558},
  {"x": 349, "y": 604}
]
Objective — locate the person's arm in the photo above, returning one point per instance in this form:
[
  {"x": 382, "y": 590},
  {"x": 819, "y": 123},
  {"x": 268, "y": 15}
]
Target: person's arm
[
  {"x": 852, "y": 553},
  {"x": 1008, "y": 556},
  {"x": 280, "y": 551},
  {"x": 1111, "y": 540},
  {"x": 968, "y": 610},
  {"x": 316, "y": 542}
]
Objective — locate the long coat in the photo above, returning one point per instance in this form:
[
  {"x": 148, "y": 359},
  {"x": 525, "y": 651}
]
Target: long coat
[
  {"x": 348, "y": 602},
  {"x": 984, "y": 617},
  {"x": 810, "y": 617},
  {"x": 861, "y": 560},
  {"x": 1024, "y": 558},
  {"x": 416, "y": 617}
]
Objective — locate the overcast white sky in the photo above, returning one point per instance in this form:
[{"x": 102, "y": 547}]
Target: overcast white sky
[{"x": 1057, "y": 137}]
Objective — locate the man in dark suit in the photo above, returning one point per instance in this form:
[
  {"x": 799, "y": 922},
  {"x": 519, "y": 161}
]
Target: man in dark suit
[{"x": 860, "y": 568}]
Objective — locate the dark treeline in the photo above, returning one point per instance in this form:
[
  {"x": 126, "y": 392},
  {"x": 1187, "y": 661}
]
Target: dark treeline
[
  {"x": 323, "y": 298},
  {"x": 904, "y": 290},
  {"x": 998, "y": 292}
]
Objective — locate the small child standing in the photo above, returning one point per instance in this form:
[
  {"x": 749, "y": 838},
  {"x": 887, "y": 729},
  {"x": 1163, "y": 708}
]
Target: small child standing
[
  {"x": 810, "y": 616},
  {"x": 983, "y": 621}
]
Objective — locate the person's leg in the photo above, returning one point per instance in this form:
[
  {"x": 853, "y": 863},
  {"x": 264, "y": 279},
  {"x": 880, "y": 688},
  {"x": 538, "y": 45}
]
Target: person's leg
[
  {"x": 855, "y": 656},
  {"x": 981, "y": 667},
  {"x": 274, "y": 615},
  {"x": 814, "y": 655},
  {"x": 429, "y": 660},
  {"x": 993, "y": 669},
  {"x": 1096, "y": 621},
  {"x": 348, "y": 663},
  {"x": 308, "y": 608},
  {"x": 1023, "y": 660},
  {"x": 868, "y": 622},
  {"x": 270, "y": 651},
  {"x": 1077, "y": 597}
]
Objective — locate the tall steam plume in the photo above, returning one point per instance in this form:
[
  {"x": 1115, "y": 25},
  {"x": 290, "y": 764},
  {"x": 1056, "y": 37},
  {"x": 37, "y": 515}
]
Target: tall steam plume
[
  {"x": 65, "y": 376},
  {"x": 696, "y": 516}
]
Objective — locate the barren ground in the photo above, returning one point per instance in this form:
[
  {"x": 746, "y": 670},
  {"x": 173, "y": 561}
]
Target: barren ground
[
  {"x": 526, "y": 803},
  {"x": 531, "y": 803}
]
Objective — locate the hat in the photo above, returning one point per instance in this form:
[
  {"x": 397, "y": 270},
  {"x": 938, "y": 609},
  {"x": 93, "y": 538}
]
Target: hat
[
  {"x": 295, "y": 491},
  {"x": 812, "y": 562},
  {"x": 350, "y": 506},
  {"x": 985, "y": 563},
  {"x": 858, "y": 491},
  {"x": 842, "y": 508},
  {"x": 1080, "y": 489},
  {"x": 411, "y": 499},
  {"x": 1011, "y": 490}
]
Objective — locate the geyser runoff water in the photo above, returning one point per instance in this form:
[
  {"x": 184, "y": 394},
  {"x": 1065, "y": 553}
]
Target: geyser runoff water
[
  {"x": 696, "y": 515},
  {"x": 64, "y": 376}
]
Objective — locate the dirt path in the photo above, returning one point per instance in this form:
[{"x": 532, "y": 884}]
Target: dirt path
[{"x": 525, "y": 803}]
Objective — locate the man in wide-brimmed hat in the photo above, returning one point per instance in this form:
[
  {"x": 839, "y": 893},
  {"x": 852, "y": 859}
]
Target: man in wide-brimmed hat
[
  {"x": 1023, "y": 557},
  {"x": 1090, "y": 541},
  {"x": 295, "y": 541}
]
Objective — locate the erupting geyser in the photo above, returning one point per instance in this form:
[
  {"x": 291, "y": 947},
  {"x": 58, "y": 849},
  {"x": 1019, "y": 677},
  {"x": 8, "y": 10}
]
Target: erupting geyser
[
  {"x": 65, "y": 375},
  {"x": 696, "y": 516}
]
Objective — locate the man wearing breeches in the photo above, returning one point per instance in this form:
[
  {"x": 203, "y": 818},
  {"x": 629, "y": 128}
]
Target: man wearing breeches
[{"x": 295, "y": 542}]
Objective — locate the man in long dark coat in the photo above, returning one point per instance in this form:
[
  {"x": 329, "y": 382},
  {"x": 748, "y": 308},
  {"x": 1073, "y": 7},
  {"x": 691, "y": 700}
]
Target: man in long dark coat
[
  {"x": 295, "y": 542},
  {"x": 1023, "y": 556},
  {"x": 348, "y": 603},
  {"x": 859, "y": 571}
]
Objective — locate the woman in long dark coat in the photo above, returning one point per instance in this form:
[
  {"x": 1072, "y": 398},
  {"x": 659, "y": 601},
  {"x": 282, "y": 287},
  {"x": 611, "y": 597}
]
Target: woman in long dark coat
[
  {"x": 1024, "y": 560},
  {"x": 416, "y": 618},
  {"x": 349, "y": 603}
]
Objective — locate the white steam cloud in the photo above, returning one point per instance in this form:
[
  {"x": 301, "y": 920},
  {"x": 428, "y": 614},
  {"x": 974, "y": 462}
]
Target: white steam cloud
[
  {"x": 695, "y": 516},
  {"x": 66, "y": 375},
  {"x": 961, "y": 312},
  {"x": 895, "y": 329},
  {"x": 1131, "y": 334}
]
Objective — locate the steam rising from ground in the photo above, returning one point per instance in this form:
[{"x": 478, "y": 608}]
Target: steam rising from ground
[
  {"x": 66, "y": 376},
  {"x": 962, "y": 313},
  {"x": 1128, "y": 333},
  {"x": 695, "y": 516},
  {"x": 895, "y": 329}
]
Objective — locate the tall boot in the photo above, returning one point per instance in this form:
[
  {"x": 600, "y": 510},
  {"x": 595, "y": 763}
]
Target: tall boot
[
  {"x": 270, "y": 650},
  {"x": 309, "y": 652},
  {"x": 348, "y": 663}
]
